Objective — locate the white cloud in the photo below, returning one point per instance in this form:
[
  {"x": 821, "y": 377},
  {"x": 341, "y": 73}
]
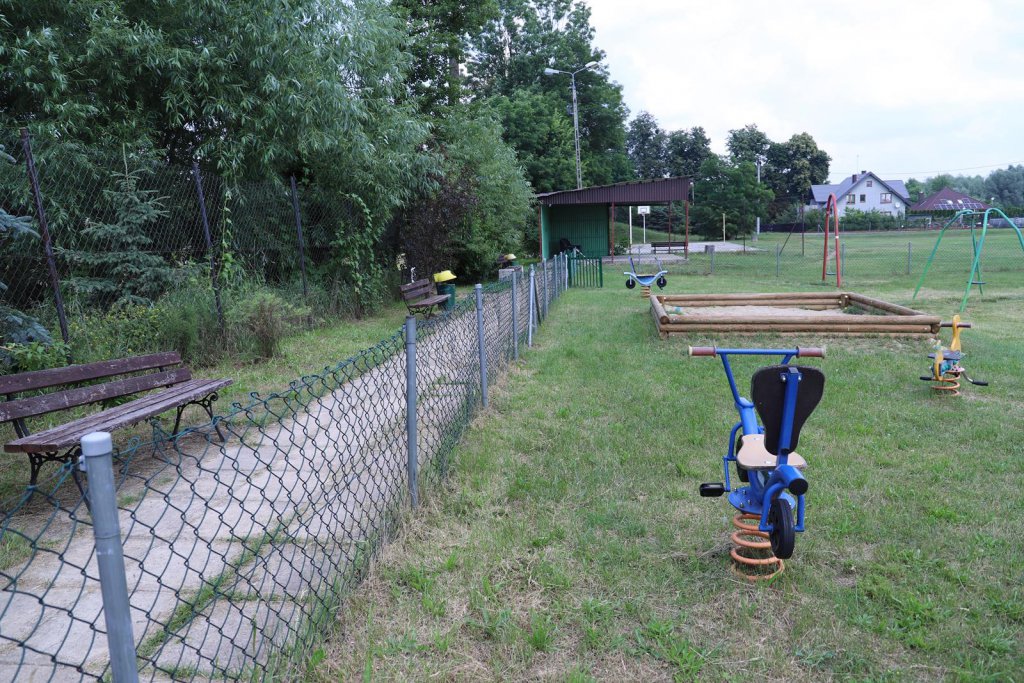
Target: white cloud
[{"x": 919, "y": 86}]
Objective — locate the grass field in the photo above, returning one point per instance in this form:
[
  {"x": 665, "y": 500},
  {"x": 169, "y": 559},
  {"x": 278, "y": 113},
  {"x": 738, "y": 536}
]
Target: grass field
[{"x": 572, "y": 544}]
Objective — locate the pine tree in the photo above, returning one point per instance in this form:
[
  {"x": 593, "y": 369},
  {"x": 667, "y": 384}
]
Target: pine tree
[{"x": 111, "y": 265}]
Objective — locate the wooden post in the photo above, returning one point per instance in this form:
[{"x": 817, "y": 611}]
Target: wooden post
[{"x": 686, "y": 239}]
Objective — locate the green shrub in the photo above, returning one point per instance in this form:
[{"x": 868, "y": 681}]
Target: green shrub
[
  {"x": 125, "y": 330},
  {"x": 259, "y": 320},
  {"x": 33, "y": 356}
]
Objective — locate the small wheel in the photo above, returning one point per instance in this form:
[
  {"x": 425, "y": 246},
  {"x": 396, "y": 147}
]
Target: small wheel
[
  {"x": 782, "y": 536},
  {"x": 630, "y": 283},
  {"x": 662, "y": 282}
]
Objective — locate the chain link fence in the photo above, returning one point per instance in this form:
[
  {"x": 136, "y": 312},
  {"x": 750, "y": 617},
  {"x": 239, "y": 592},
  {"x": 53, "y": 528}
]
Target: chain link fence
[
  {"x": 87, "y": 236},
  {"x": 866, "y": 258},
  {"x": 239, "y": 553}
]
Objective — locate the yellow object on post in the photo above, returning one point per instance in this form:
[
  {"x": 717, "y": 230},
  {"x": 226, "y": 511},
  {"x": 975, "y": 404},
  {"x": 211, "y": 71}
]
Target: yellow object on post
[
  {"x": 955, "y": 344},
  {"x": 444, "y": 276}
]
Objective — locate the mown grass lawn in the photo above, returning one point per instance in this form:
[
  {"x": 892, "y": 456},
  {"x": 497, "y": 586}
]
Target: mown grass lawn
[{"x": 572, "y": 545}]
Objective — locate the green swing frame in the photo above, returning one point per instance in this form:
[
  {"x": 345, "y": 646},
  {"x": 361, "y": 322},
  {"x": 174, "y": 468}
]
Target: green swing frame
[{"x": 976, "y": 243}]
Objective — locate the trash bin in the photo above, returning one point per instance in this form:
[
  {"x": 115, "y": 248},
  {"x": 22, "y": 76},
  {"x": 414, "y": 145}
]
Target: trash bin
[{"x": 445, "y": 283}]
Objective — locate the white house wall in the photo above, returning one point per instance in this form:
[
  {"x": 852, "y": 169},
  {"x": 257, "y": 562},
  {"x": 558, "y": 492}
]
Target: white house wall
[{"x": 870, "y": 198}]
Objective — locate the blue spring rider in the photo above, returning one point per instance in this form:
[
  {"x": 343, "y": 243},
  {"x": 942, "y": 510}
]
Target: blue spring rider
[
  {"x": 784, "y": 396},
  {"x": 632, "y": 277}
]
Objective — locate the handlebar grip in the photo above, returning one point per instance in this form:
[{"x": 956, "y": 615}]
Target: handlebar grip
[
  {"x": 810, "y": 352},
  {"x": 967, "y": 325},
  {"x": 702, "y": 350}
]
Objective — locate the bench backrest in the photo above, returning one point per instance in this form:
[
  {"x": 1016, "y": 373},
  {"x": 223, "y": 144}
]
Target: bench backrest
[
  {"x": 10, "y": 385},
  {"x": 416, "y": 290}
]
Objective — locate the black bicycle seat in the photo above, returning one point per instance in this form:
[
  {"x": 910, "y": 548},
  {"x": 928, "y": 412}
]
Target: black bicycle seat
[{"x": 769, "y": 391}]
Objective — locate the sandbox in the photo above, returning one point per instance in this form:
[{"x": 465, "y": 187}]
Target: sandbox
[{"x": 845, "y": 313}]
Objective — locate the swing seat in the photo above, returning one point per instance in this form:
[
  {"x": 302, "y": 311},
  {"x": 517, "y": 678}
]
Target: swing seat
[{"x": 754, "y": 456}]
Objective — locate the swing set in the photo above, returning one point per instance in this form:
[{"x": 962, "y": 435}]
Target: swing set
[{"x": 976, "y": 243}]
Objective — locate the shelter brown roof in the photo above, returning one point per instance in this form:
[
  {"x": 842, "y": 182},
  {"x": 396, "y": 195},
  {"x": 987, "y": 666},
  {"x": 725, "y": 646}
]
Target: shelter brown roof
[{"x": 657, "y": 191}]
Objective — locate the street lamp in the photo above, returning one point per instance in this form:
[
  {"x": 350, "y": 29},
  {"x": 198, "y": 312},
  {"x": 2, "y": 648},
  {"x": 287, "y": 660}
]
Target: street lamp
[
  {"x": 757, "y": 229},
  {"x": 575, "y": 113}
]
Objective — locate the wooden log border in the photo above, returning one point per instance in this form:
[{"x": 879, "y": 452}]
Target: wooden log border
[{"x": 888, "y": 319}]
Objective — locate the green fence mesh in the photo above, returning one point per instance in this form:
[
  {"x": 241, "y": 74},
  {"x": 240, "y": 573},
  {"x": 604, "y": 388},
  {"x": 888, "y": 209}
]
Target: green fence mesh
[{"x": 239, "y": 553}]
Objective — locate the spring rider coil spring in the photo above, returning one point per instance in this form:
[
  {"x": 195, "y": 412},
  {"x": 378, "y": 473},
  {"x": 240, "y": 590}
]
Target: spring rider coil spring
[
  {"x": 946, "y": 369},
  {"x": 744, "y": 547}
]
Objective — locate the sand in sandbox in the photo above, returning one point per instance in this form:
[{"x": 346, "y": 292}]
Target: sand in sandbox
[{"x": 753, "y": 311}]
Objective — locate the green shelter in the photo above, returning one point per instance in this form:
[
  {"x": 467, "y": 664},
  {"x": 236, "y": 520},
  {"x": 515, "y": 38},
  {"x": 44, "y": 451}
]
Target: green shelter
[{"x": 586, "y": 217}]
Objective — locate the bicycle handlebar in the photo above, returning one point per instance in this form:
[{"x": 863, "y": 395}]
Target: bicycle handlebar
[{"x": 806, "y": 352}]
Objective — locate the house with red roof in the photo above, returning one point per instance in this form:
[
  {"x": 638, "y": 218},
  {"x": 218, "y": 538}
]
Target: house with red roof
[{"x": 947, "y": 199}]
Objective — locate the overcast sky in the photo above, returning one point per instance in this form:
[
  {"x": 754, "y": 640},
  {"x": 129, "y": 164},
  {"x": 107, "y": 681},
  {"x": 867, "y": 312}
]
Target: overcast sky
[{"x": 910, "y": 88}]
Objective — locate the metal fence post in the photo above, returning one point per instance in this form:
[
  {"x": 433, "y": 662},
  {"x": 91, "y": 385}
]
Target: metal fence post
[
  {"x": 565, "y": 272},
  {"x": 413, "y": 462},
  {"x": 302, "y": 245},
  {"x": 842, "y": 259},
  {"x": 529, "y": 324},
  {"x": 515, "y": 315},
  {"x": 712, "y": 259},
  {"x": 97, "y": 453},
  {"x": 209, "y": 244},
  {"x": 908, "y": 257},
  {"x": 778, "y": 258},
  {"x": 44, "y": 232},
  {"x": 480, "y": 338}
]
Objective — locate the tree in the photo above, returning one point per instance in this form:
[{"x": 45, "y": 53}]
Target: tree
[
  {"x": 747, "y": 144},
  {"x": 542, "y": 137},
  {"x": 730, "y": 189},
  {"x": 792, "y": 167},
  {"x": 914, "y": 188},
  {"x": 686, "y": 150},
  {"x": 1007, "y": 186},
  {"x": 437, "y": 33},
  {"x": 480, "y": 205},
  {"x": 645, "y": 144},
  {"x": 112, "y": 263},
  {"x": 510, "y": 54}
]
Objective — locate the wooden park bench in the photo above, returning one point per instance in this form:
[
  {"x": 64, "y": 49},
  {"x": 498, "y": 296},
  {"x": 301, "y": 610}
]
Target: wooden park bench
[
  {"x": 667, "y": 246},
  {"x": 419, "y": 297},
  {"x": 92, "y": 383}
]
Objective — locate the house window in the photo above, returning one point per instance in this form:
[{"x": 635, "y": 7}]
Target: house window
[
  {"x": 851, "y": 198},
  {"x": 863, "y": 198},
  {"x": 869, "y": 183},
  {"x": 886, "y": 198}
]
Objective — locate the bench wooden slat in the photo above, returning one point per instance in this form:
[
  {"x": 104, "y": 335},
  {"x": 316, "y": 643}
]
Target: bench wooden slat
[
  {"x": 419, "y": 295},
  {"x": 429, "y": 301},
  {"x": 67, "y": 435},
  {"x": 105, "y": 419},
  {"x": 42, "y": 379},
  {"x": 71, "y": 398},
  {"x": 415, "y": 289}
]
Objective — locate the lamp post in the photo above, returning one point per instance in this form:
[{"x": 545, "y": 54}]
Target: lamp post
[
  {"x": 575, "y": 113},
  {"x": 757, "y": 228}
]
